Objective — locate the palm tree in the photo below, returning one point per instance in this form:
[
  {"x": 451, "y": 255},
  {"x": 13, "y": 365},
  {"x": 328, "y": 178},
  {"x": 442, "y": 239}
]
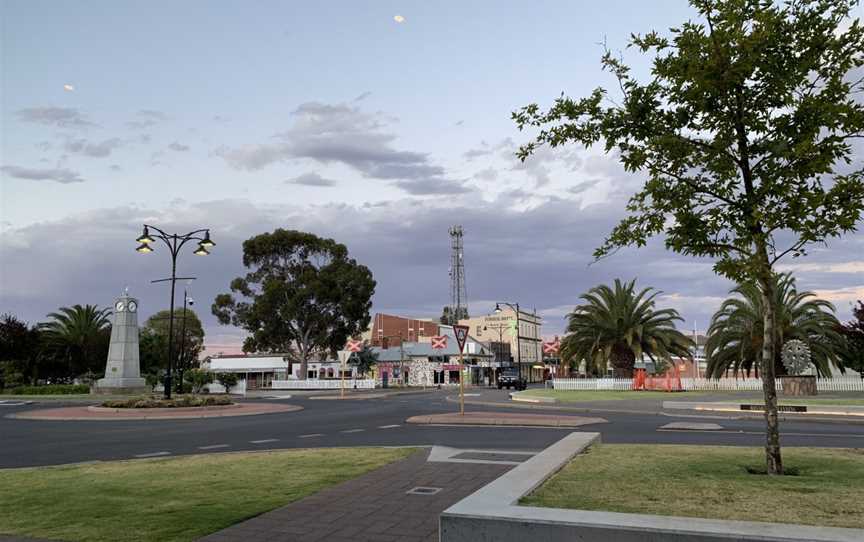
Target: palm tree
[
  {"x": 735, "y": 334},
  {"x": 619, "y": 326},
  {"x": 78, "y": 336}
]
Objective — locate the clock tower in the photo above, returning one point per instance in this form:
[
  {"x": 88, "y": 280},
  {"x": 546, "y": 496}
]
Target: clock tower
[{"x": 122, "y": 371}]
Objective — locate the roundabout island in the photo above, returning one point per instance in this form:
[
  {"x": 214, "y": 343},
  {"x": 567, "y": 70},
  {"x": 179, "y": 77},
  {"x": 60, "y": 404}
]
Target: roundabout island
[{"x": 103, "y": 413}]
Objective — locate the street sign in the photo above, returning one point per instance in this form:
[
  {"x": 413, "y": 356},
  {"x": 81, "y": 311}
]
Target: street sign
[
  {"x": 354, "y": 346},
  {"x": 461, "y": 333},
  {"x": 344, "y": 355},
  {"x": 439, "y": 342}
]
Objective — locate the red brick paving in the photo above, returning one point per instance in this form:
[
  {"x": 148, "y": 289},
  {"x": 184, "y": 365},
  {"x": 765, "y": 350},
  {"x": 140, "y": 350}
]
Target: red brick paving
[
  {"x": 373, "y": 507},
  {"x": 505, "y": 418},
  {"x": 99, "y": 413}
]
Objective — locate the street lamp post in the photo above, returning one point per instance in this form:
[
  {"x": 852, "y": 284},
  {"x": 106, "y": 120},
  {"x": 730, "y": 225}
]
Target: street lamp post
[
  {"x": 499, "y": 350},
  {"x": 174, "y": 242},
  {"x": 181, "y": 363},
  {"x": 514, "y": 306}
]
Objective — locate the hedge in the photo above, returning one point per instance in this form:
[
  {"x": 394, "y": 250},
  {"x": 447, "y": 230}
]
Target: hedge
[{"x": 50, "y": 389}]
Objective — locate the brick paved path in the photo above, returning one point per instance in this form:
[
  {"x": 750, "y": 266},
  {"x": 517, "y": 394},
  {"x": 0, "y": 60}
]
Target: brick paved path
[{"x": 373, "y": 507}]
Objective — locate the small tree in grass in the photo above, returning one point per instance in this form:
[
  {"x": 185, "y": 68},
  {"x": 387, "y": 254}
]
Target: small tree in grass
[
  {"x": 198, "y": 378},
  {"x": 227, "y": 380},
  {"x": 365, "y": 360},
  {"x": 748, "y": 113}
]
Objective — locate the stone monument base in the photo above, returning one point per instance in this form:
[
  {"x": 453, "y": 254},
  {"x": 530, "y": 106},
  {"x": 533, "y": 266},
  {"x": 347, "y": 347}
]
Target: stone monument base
[
  {"x": 121, "y": 386},
  {"x": 798, "y": 385}
]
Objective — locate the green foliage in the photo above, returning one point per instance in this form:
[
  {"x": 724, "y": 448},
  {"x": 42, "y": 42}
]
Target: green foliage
[
  {"x": 365, "y": 359},
  {"x": 77, "y": 339},
  {"x": 180, "y": 401},
  {"x": 619, "y": 326},
  {"x": 50, "y": 389},
  {"x": 188, "y": 340},
  {"x": 20, "y": 352},
  {"x": 303, "y": 295},
  {"x": 852, "y": 333},
  {"x": 227, "y": 380},
  {"x": 153, "y": 378},
  {"x": 735, "y": 335},
  {"x": 198, "y": 378},
  {"x": 748, "y": 113}
]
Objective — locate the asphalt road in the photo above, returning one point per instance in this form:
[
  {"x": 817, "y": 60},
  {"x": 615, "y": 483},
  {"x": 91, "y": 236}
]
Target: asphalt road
[{"x": 378, "y": 422}]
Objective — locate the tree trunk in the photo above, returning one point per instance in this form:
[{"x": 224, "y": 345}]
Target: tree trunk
[{"x": 773, "y": 460}]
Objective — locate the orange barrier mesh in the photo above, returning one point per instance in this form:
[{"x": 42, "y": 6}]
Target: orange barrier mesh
[{"x": 671, "y": 381}]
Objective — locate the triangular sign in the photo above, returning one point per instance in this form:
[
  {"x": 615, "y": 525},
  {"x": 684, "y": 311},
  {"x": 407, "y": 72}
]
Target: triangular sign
[{"x": 461, "y": 333}]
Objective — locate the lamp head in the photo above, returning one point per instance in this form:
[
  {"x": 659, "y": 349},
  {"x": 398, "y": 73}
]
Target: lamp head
[
  {"x": 144, "y": 248},
  {"x": 201, "y": 251},
  {"x": 207, "y": 243},
  {"x": 497, "y": 308},
  {"x": 145, "y": 238}
]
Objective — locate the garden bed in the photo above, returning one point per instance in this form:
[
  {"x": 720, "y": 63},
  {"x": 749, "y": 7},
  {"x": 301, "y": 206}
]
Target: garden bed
[
  {"x": 711, "y": 482},
  {"x": 180, "y": 401}
]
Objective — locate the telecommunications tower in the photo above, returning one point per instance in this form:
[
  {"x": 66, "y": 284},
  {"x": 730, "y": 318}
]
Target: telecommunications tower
[{"x": 458, "y": 294}]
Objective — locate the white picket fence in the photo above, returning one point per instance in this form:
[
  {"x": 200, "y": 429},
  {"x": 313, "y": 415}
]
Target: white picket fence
[
  {"x": 314, "y": 384},
  {"x": 704, "y": 384}
]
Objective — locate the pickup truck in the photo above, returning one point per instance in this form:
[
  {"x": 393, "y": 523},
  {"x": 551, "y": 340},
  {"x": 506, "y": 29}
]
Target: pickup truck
[{"x": 511, "y": 378}]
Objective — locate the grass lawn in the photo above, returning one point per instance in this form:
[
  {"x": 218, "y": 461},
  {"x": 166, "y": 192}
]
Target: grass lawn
[
  {"x": 853, "y": 401},
  {"x": 172, "y": 499},
  {"x": 577, "y": 396},
  {"x": 711, "y": 482}
]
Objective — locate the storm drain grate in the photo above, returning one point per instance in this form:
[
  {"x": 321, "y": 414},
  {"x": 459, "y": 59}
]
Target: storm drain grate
[{"x": 420, "y": 490}]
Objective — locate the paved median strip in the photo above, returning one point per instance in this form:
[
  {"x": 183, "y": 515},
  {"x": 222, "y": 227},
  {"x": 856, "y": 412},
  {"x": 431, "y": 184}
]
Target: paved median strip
[
  {"x": 213, "y": 446},
  {"x": 264, "y": 441}
]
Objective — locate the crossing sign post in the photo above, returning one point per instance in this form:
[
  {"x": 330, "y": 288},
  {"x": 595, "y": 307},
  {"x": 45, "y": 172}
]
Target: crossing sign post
[
  {"x": 461, "y": 333},
  {"x": 351, "y": 348}
]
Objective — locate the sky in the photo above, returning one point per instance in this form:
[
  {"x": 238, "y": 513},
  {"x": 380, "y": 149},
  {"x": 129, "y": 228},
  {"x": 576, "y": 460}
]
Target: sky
[{"x": 333, "y": 118}]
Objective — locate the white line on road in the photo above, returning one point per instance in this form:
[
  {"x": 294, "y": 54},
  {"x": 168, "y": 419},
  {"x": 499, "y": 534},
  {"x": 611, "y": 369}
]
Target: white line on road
[
  {"x": 312, "y": 435},
  {"x": 154, "y": 454},
  {"x": 352, "y": 430},
  {"x": 389, "y": 426},
  {"x": 264, "y": 441},
  {"x": 213, "y": 446}
]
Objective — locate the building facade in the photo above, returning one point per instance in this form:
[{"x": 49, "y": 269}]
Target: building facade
[
  {"x": 524, "y": 349},
  {"x": 259, "y": 371},
  {"x": 387, "y": 329}
]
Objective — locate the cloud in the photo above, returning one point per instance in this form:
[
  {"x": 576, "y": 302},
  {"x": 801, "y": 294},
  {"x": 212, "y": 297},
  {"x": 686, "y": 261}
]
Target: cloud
[
  {"x": 311, "y": 179},
  {"x": 432, "y": 187},
  {"x": 179, "y": 147},
  {"x": 839, "y": 267},
  {"x": 148, "y": 118},
  {"x": 221, "y": 119},
  {"x": 115, "y": 167},
  {"x": 362, "y": 96},
  {"x": 488, "y": 174},
  {"x": 94, "y": 150},
  {"x": 61, "y": 117},
  {"x": 343, "y": 134},
  {"x": 63, "y": 176}
]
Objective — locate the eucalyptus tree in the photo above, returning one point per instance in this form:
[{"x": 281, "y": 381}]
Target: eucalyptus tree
[
  {"x": 735, "y": 336},
  {"x": 744, "y": 130},
  {"x": 303, "y": 296},
  {"x": 617, "y": 326}
]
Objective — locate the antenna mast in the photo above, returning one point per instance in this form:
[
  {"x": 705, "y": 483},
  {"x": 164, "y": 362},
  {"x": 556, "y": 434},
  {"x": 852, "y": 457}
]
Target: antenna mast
[{"x": 458, "y": 293}]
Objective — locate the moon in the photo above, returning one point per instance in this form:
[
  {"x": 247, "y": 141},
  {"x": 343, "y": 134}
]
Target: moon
[
  {"x": 68, "y": 88},
  {"x": 399, "y": 19}
]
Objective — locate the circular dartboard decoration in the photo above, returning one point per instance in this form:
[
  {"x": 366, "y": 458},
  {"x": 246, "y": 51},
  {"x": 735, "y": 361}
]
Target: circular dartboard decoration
[{"x": 796, "y": 356}]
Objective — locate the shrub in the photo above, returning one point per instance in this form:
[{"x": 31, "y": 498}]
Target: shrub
[
  {"x": 50, "y": 389},
  {"x": 228, "y": 380},
  {"x": 180, "y": 401},
  {"x": 198, "y": 378}
]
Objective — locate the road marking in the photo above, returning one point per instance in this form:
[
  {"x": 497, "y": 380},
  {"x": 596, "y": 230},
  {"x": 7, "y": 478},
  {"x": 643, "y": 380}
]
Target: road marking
[
  {"x": 154, "y": 454},
  {"x": 312, "y": 435},
  {"x": 352, "y": 430},
  {"x": 213, "y": 446},
  {"x": 389, "y": 426},
  {"x": 264, "y": 441}
]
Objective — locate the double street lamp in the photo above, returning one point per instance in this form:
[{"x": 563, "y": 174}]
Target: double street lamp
[
  {"x": 515, "y": 307},
  {"x": 174, "y": 242}
]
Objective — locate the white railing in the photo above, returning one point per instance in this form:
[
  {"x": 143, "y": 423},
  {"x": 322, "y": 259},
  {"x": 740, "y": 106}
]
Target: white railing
[
  {"x": 619, "y": 384},
  {"x": 314, "y": 384},
  {"x": 705, "y": 384}
]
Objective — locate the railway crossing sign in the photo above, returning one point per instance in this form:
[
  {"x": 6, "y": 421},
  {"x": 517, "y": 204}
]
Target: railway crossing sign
[
  {"x": 551, "y": 347},
  {"x": 439, "y": 342},
  {"x": 354, "y": 345}
]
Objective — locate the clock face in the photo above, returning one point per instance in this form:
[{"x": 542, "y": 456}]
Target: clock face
[
  {"x": 133, "y": 306},
  {"x": 119, "y": 306}
]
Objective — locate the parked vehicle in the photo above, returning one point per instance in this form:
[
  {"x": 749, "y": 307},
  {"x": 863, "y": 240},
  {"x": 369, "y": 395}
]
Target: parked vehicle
[{"x": 510, "y": 378}]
